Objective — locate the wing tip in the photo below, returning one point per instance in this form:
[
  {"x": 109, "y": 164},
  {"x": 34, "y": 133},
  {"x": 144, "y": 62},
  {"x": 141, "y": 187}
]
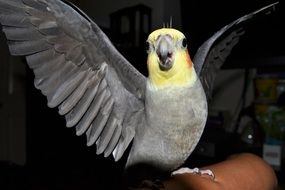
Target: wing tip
[
  {"x": 89, "y": 144},
  {"x": 79, "y": 132},
  {"x": 69, "y": 124},
  {"x": 117, "y": 153}
]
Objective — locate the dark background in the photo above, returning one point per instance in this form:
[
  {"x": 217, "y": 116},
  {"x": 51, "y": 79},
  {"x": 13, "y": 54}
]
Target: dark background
[{"x": 57, "y": 159}]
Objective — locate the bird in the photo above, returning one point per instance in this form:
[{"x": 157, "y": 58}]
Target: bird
[{"x": 161, "y": 116}]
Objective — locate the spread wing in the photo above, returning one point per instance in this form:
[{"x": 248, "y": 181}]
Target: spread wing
[
  {"x": 78, "y": 69},
  {"x": 212, "y": 53}
]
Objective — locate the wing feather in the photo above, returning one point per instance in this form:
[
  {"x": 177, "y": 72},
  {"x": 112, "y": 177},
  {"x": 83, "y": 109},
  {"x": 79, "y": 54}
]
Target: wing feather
[
  {"x": 35, "y": 4},
  {"x": 212, "y": 53},
  {"x": 78, "y": 69},
  {"x": 65, "y": 88},
  {"x": 107, "y": 133},
  {"x": 14, "y": 20},
  {"x": 96, "y": 128},
  {"x": 21, "y": 34},
  {"x": 36, "y": 60},
  {"x": 114, "y": 140},
  {"x": 91, "y": 113},
  {"x": 28, "y": 47},
  {"x": 73, "y": 99},
  {"x": 11, "y": 7},
  {"x": 73, "y": 117}
]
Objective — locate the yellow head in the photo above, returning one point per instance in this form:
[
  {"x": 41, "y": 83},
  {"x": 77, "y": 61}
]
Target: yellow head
[{"x": 168, "y": 61}]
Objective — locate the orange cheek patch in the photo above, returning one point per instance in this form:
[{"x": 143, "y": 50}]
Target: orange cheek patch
[{"x": 188, "y": 59}]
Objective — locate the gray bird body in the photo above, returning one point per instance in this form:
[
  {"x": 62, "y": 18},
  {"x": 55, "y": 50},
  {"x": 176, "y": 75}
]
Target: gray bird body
[
  {"x": 101, "y": 94},
  {"x": 175, "y": 119}
]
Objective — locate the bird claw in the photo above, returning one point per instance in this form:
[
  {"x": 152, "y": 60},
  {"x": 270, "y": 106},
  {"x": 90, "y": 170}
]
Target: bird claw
[
  {"x": 196, "y": 171},
  {"x": 185, "y": 170},
  {"x": 207, "y": 172}
]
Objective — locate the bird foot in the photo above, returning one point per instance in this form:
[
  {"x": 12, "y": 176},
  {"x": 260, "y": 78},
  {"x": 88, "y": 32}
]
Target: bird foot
[{"x": 196, "y": 171}]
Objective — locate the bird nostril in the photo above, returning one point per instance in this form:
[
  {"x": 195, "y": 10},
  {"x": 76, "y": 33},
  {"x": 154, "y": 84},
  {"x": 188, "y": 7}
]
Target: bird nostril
[{"x": 164, "y": 56}]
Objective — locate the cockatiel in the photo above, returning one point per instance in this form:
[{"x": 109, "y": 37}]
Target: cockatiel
[{"x": 103, "y": 96}]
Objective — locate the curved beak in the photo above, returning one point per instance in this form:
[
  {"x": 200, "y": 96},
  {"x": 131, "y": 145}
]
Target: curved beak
[{"x": 164, "y": 52}]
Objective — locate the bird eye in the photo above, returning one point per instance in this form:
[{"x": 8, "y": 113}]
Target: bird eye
[
  {"x": 147, "y": 46},
  {"x": 184, "y": 43}
]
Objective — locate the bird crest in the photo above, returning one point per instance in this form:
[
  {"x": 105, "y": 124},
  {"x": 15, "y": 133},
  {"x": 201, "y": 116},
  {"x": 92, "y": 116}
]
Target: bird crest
[{"x": 167, "y": 24}]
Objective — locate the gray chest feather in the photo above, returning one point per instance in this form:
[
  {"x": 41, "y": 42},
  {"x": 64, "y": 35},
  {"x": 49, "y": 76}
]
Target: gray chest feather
[
  {"x": 175, "y": 108},
  {"x": 175, "y": 119}
]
